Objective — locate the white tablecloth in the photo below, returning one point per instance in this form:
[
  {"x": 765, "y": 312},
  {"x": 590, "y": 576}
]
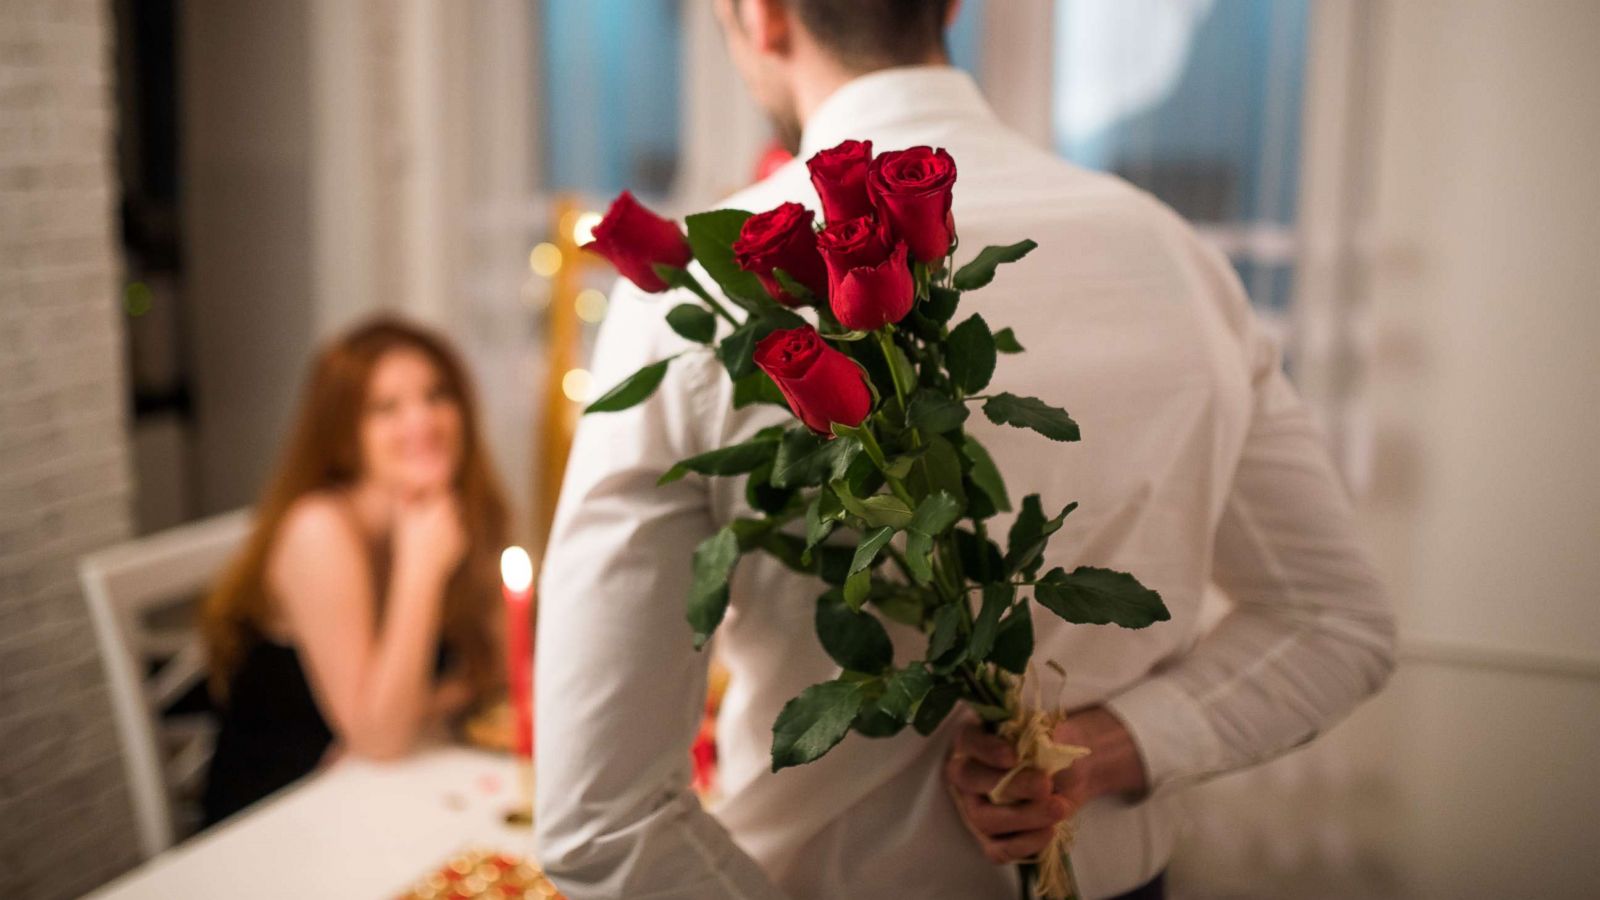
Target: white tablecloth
[{"x": 359, "y": 830}]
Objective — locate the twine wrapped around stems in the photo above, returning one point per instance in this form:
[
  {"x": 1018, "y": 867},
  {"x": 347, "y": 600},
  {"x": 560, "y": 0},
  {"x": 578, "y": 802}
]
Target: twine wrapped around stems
[{"x": 1030, "y": 730}]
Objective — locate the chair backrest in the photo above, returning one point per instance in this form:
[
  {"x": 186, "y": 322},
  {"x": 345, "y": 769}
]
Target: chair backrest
[{"x": 150, "y": 664}]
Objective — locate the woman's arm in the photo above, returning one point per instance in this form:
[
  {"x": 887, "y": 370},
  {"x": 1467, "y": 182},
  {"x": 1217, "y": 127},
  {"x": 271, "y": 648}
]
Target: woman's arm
[{"x": 373, "y": 684}]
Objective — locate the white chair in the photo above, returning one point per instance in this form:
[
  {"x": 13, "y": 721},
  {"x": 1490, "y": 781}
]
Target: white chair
[{"x": 151, "y": 662}]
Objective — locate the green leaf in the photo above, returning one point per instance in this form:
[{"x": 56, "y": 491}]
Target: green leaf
[
  {"x": 946, "y": 633},
  {"x": 900, "y": 466},
  {"x": 1030, "y": 534},
  {"x": 902, "y": 365},
  {"x": 856, "y": 588},
  {"x": 633, "y": 390},
  {"x": 805, "y": 460},
  {"x": 855, "y": 640},
  {"x": 898, "y": 602},
  {"x": 980, "y": 560},
  {"x": 940, "y": 305},
  {"x": 904, "y": 691},
  {"x": 832, "y": 563},
  {"x": 1013, "y": 643},
  {"x": 708, "y": 592},
  {"x": 886, "y": 509},
  {"x": 793, "y": 288},
  {"x": 1031, "y": 412},
  {"x": 711, "y": 237},
  {"x": 919, "y": 550},
  {"x": 985, "y": 474},
  {"x": 878, "y": 510},
  {"x": 812, "y": 723},
  {"x": 1091, "y": 596},
  {"x": 762, "y": 494},
  {"x": 934, "y": 707},
  {"x": 938, "y": 469},
  {"x": 934, "y": 413},
  {"x": 737, "y": 350},
  {"x": 936, "y": 513},
  {"x": 867, "y": 551},
  {"x": 755, "y": 388},
  {"x": 1005, "y": 340},
  {"x": 735, "y": 459},
  {"x": 693, "y": 322},
  {"x": 980, "y": 271},
  {"x": 986, "y": 627},
  {"x": 970, "y": 354},
  {"x": 873, "y": 722},
  {"x": 821, "y": 517}
]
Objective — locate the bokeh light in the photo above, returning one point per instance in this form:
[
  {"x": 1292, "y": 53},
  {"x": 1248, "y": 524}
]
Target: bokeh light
[
  {"x": 583, "y": 227},
  {"x": 545, "y": 259},
  {"x": 578, "y": 385},
  {"x": 137, "y": 299},
  {"x": 591, "y": 305}
]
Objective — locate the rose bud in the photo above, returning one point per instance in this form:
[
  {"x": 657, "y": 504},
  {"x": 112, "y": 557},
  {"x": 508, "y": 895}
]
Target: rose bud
[
  {"x": 840, "y": 176},
  {"x": 635, "y": 240},
  {"x": 782, "y": 239},
  {"x": 911, "y": 191},
  {"x": 822, "y": 385}
]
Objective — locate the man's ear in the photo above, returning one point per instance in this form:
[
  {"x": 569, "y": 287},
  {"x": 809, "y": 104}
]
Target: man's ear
[
  {"x": 768, "y": 23},
  {"x": 951, "y": 13}
]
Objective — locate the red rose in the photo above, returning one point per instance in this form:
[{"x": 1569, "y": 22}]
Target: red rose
[
  {"x": 848, "y": 243},
  {"x": 635, "y": 239},
  {"x": 868, "y": 284},
  {"x": 840, "y": 177},
  {"x": 869, "y": 297},
  {"x": 822, "y": 385},
  {"x": 782, "y": 239},
  {"x": 911, "y": 190}
]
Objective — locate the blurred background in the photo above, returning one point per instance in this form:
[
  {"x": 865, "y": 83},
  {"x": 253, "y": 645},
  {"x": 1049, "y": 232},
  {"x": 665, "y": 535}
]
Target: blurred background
[{"x": 193, "y": 193}]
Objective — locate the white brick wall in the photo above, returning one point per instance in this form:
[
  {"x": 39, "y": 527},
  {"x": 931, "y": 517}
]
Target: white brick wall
[{"x": 65, "y": 824}]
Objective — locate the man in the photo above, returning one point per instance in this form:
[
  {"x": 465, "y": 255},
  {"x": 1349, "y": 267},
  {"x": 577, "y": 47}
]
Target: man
[{"x": 1198, "y": 465}]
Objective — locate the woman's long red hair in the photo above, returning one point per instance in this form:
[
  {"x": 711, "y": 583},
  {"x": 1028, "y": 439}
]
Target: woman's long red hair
[{"x": 324, "y": 453}]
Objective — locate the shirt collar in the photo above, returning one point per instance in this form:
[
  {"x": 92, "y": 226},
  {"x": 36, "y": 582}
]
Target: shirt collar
[{"x": 891, "y": 97}]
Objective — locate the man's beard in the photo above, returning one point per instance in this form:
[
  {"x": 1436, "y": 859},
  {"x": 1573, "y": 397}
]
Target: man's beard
[{"x": 786, "y": 130}]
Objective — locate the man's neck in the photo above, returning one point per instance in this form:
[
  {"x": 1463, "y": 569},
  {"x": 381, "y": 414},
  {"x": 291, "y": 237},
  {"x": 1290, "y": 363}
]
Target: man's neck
[{"x": 824, "y": 77}]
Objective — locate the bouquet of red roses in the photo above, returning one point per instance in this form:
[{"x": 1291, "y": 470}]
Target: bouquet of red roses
[{"x": 848, "y": 324}]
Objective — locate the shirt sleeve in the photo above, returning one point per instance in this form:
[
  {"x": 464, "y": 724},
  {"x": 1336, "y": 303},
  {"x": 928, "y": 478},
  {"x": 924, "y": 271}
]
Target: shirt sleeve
[
  {"x": 620, "y": 689},
  {"x": 1310, "y": 634}
]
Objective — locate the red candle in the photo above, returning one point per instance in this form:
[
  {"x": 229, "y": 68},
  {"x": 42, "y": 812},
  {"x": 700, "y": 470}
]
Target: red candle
[{"x": 516, "y": 577}]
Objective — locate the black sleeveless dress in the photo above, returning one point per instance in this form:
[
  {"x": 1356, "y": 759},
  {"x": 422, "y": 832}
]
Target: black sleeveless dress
[{"x": 271, "y": 733}]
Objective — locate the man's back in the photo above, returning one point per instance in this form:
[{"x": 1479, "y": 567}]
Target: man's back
[{"x": 1144, "y": 336}]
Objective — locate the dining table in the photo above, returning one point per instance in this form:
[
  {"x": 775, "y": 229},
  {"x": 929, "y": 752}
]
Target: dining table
[{"x": 358, "y": 829}]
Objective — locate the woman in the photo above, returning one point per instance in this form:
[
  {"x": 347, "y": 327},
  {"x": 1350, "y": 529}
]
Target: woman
[{"x": 361, "y": 610}]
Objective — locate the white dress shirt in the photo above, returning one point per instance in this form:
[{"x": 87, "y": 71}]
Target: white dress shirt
[{"x": 1198, "y": 465}]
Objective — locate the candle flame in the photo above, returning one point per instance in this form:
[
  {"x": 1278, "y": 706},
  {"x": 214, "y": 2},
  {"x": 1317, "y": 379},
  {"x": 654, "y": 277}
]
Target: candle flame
[{"x": 516, "y": 569}]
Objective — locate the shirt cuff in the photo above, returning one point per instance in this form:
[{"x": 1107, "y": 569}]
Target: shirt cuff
[{"x": 1175, "y": 740}]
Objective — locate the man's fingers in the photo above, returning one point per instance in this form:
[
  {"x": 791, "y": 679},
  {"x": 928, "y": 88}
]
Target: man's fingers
[
  {"x": 1026, "y": 845},
  {"x": 973, "y": 777},
  {"x": 988, "y": 748},
  {"x": 995, "y": 820}
]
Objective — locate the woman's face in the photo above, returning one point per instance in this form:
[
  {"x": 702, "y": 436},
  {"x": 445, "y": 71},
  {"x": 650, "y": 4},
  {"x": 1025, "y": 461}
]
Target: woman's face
[{"x": 411, "y": 425}]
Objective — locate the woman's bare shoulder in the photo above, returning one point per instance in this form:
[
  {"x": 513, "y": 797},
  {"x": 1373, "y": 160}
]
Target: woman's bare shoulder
[{"x": 317, "y": 526}]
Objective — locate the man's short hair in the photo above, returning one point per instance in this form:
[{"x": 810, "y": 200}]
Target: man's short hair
[{"x": 871, "y": 34}]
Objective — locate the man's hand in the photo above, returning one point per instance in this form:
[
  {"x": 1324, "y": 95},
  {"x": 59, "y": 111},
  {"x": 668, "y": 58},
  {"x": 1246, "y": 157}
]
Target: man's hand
[{"x": 1024, "y": 824}]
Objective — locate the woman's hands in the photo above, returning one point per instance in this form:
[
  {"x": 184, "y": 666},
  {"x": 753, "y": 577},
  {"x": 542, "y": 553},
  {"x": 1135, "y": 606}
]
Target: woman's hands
[
  {"x": 429, "y": 539},
  {"x": 1024, "y": 825}
]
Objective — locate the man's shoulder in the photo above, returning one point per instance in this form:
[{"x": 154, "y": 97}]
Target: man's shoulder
[{"x": 788, "y": 183}]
